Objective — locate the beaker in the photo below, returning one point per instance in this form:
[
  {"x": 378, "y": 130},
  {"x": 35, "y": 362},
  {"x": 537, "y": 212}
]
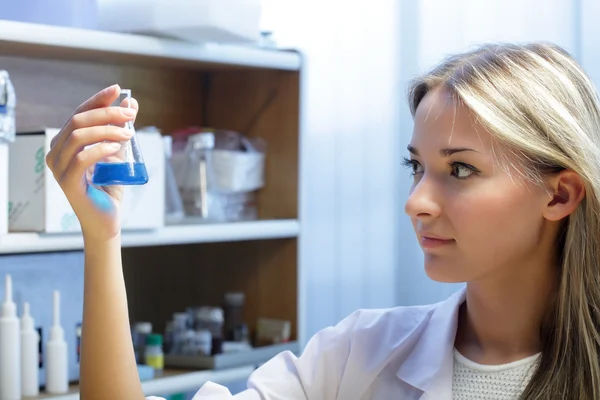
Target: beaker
[{"x": 126, "y": 167}]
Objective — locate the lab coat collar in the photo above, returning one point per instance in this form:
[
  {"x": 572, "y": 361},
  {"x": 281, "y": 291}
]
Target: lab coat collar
[{"x": 430, "y": 364}]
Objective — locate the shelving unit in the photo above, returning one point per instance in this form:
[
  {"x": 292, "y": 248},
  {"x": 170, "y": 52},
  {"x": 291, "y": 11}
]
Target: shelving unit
[
  {"x": 15, "y": 243},
  {"x": 69, "y": 43},
  {"x": 250, "y": 90},
  {"x": 174, "y": 381}
]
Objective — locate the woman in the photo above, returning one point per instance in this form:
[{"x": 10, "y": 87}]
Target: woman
[{"x": 505, "y": 156}]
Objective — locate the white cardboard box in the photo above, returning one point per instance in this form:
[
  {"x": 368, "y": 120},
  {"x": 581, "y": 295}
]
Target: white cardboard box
[
  {"x": 219, "y": 21},
  {"x": 38, "y": 204}
]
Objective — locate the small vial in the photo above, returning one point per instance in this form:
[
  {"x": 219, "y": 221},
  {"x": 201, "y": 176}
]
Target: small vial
[
  {"x": 140, "y": 332},
  {"x": 126, "y": 167},
  {"x": 154, "y": 352}
]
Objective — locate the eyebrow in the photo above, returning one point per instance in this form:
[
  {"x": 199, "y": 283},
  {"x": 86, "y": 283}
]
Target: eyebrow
[{"x": 446, "y": 152}]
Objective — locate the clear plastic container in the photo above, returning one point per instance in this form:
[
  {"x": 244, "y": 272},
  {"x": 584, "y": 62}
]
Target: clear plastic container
[
  {"x": 174, "y": 210},
  {"x": 8, "y": 103},
  {"x": 127, "y": 166},
  {"x": 194, "y": 183},
  {"x": 218, "y": 175}
]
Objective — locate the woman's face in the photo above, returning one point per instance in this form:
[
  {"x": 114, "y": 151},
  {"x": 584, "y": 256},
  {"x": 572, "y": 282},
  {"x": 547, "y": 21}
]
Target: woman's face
[{"x": 473, "y": 218}]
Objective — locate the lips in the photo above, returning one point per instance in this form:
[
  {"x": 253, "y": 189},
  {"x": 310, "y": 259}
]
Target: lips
[{"x": 430, "y": 241}]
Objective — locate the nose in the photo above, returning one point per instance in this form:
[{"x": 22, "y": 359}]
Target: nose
[{"x": 423, "y": 200}]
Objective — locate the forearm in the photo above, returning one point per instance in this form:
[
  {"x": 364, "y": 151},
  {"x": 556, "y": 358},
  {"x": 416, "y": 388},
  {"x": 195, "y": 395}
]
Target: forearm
[{"x": 108, "y": 368}]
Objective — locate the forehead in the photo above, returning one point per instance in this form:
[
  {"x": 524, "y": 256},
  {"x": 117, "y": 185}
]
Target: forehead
[{"x": 442, "y": 121}]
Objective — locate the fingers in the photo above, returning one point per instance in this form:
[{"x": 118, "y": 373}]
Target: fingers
[
  {"x": 74, "y": 174},
  {"x": 103, "y": 98},
  {"x": 86, "y": 119},
  {"x": 80, "y": 138},
  {"x": 101, "y": 116}
]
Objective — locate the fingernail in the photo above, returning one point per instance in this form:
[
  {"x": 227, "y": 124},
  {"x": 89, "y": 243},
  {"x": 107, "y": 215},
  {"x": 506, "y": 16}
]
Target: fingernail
[
  {"x": 110, "y": 88},
  {"x": 128, "y": 112}
]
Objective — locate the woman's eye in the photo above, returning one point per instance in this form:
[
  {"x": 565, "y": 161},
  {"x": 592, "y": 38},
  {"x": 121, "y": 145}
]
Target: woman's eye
[
  {"x": 462, "y": 171},
  {"x": 414, "y": 165}
]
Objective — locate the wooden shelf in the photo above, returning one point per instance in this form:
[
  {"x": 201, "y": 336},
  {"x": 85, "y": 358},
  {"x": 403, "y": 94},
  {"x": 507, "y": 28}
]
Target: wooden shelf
[
  {"x": 175, "y": 381},
  {"x": 18, "y": 38},
  {"x": 170, "y": 235}
]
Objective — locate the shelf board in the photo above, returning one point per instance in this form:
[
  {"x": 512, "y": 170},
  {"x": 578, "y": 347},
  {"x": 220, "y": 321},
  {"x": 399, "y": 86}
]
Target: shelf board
[
  {"x": 175, "y": 381},
  {"x": 26, "y": 39},
  {"x": 13, "y": 243}
]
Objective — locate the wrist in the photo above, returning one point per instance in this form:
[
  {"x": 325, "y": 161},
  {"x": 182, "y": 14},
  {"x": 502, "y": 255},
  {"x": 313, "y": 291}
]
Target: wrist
[{"x": 94, "y": 243}]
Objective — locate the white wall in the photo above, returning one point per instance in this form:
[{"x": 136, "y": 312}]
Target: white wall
[
  {"x": 442, "y": 27},
  {"x": 358, "y": 248},
  {"x": 589, "y": 35},
  {"x": 349, "y": 170}
]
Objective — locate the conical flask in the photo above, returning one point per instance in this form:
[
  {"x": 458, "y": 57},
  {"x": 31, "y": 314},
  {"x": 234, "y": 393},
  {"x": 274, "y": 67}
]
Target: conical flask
[{"x": 126, "y": 167}]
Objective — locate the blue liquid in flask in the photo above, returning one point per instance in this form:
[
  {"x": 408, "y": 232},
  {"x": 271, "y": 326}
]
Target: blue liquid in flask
[
  {"x": 130, "y": 168},
  {"x": 122, "y": 173}
]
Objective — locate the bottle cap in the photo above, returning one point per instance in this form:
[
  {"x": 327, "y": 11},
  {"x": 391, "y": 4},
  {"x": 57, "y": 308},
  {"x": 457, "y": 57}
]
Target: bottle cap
[
  {"x": 180, "y": 316},
  {"x": 216, "y": 315},
  {"x": 9, "y": 308},
  {"x": 143, "y": 327},
  {"x": 154, "y": 339},
  {"x": 56, "y": 331},
  {"x": 27, "y": 323},
  {"x": 235, "y": 299}
]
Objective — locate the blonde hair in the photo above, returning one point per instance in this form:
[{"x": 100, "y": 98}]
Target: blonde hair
[{"x": 537, "y": 101}]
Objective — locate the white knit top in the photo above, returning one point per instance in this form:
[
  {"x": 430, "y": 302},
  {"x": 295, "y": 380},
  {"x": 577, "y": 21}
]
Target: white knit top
[{"x": 472, "y": 381}]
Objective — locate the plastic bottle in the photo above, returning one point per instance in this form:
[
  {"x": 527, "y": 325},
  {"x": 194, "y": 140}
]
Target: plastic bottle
[
  {"x": 30, "y": 339},
  {"x": 57, "y": 372},
  {"x": 154, "y": 353},
  {"x": 10, "y": 347},
  {"x": 141, "y": 330}
]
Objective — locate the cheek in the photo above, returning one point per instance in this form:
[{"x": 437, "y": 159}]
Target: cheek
[{"x": 496, "y": 220}]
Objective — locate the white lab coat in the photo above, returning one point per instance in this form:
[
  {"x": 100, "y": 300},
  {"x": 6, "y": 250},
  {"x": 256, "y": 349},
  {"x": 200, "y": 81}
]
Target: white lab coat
[{"x": 402, "y": 353}]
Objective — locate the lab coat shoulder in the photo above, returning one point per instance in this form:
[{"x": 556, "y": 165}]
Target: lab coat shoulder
[{"x": 341, "y": 360}]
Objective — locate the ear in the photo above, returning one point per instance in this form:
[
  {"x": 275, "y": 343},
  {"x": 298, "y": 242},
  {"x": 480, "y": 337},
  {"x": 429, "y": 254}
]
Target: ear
[{"x": 566, "y": 190}]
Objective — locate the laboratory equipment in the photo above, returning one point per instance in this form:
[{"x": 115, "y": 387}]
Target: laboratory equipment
[
  {"x": 219, "y": 174},
  {"x": 30, "y": 339},
  {"x": 57, "y": 366},
  {"x": 174, "y": 210},
  {"x": 8, "y": 102},
  {"x": 126, "y": 167},
  {"x": 194, "y": 185},
  {"x": 235, "y": 329},
  {"x": 10, "y": 347},
  {"x": 140, "y": 332},
  {"x": 153, "y": 354}
]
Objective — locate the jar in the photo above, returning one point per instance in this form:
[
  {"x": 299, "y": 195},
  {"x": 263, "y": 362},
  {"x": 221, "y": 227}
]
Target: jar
[
  {"x": 212, "y": 318},
  {"x": 234, "y": 316},
  {"x": 154, "y": 353},
  {"x": 140, "y": 332},
  {"x": 203, "y": 342}
]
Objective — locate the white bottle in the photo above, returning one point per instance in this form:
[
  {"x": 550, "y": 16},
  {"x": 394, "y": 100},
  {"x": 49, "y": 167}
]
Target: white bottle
[
  {"x": 10, "y": 348},
  {"x": 57, "y": 372},
  {"x": 30, "y": 340}
]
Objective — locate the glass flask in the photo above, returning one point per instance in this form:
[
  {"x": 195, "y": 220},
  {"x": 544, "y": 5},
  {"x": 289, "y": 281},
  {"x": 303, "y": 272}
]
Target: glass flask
[{"x": 126, "y": 167}]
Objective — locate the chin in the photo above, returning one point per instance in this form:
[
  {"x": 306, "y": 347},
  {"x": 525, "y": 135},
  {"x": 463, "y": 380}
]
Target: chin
[{"x": 443, "y": 272}]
